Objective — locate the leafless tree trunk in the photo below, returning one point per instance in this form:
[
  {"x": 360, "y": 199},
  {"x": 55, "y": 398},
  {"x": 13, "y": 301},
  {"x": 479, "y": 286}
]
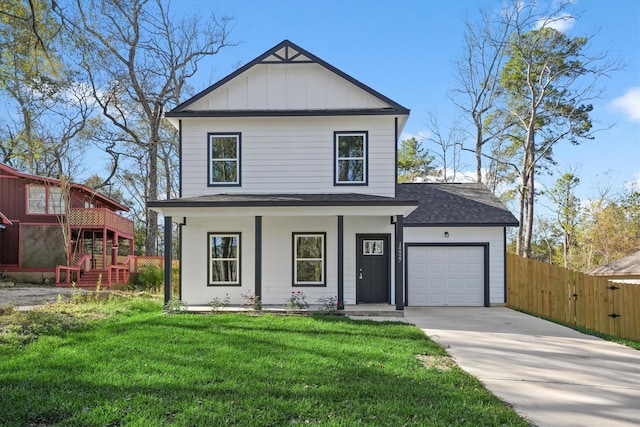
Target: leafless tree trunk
[
  {"x": 448, "y": 146},
  {"x": 138, "y": 59}
]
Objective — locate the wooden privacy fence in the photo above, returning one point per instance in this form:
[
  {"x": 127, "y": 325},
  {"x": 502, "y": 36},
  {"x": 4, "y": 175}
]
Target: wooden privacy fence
[{"x": 573, "y": 297}]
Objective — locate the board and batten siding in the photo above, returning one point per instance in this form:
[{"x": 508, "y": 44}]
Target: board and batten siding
[
  {"x": 287, "y": 87},
  {"x": 492, "y": 235},
  {"x": 289, "y": 154}
]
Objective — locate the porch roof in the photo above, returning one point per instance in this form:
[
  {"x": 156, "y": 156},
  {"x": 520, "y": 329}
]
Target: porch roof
[{"x": 279, "y": 204}]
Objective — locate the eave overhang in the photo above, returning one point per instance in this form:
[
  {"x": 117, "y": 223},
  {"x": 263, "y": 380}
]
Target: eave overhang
[
  {"x": 284, "y": 205},
  {"x": 287, "y": 113}
]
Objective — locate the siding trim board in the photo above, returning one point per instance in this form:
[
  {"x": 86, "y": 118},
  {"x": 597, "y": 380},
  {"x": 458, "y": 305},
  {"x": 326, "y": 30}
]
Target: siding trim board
[
  {"x": 281, "y": 200},
  {"x": 288, "y": 113},
  {"x": 180, "y": 158},
  {"x": 459, "y": 224},
  {"x": 486, "y": 278}
]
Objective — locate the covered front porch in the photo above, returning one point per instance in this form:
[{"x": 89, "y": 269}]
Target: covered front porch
[{"x": 321, "y": 245}]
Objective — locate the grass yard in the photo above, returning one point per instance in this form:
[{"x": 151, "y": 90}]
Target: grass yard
[{"x": 124, "y": 362}]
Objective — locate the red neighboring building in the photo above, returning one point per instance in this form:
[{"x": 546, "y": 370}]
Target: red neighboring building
[{"x": 32, "y": 244}]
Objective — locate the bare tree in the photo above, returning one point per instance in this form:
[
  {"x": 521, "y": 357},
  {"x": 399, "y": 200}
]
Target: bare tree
[
  {"x": 138, "y": 59},
  {"x": 449, "y": 144},
  {"x": 477, "y": 73}
]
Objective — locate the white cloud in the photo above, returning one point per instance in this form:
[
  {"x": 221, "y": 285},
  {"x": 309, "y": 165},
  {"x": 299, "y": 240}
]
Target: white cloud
[
  {"x": 562, "y": 23},
  {"x": 633, "y": 185},
  {"x": 629, "y": 104},
  {"x": 420, "y": 136}
]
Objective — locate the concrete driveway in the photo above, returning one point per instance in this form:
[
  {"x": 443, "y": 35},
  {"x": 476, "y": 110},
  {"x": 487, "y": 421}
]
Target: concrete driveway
[{"x": 551, "y": 375}]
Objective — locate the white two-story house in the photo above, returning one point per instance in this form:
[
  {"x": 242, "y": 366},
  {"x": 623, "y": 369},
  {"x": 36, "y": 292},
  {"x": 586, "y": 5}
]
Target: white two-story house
[{"x": 288, "y": 183}]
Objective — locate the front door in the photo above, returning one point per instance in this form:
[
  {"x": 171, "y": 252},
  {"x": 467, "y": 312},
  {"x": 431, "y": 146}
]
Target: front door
[{"x": 373, "y": 268}]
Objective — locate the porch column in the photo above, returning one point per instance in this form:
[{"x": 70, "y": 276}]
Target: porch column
[
  {"x": 341, "y": 259},
  {"x": 167, "y": 258},
  {"x": 104, "y": 248},
  {"x": 114, "y": 249},
  {"x": 399, "y": 243},
  {"x": 258, "y": 256}
]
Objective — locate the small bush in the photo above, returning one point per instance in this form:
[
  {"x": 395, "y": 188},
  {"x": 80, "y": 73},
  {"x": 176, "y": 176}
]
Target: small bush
[
  {"x": 175, "y": 306},
  {"x": 150, "y": 278},
  {"x": 297, "y": 301},
  {"x": 7, "y": 310},
  {"x": 330, "y": 304},
  {"x": 251, "y": 301},
  {"x": 217, "y": 303}
]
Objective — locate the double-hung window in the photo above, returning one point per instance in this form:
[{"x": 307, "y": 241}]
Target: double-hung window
[
  {"x": 224, "y": 259},
  {"x": 57, "y": 203},
  {"x": 350, "y": 158},
  {"x": 309, "y": 259},
  {"x": 45, "y": 200},
  {"x": 224, "y": 159}
]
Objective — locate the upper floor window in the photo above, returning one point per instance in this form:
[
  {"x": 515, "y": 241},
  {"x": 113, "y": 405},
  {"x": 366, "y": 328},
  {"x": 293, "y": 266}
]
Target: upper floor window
[
  {"x": 45, "y": 200},
  {"x": 224, "y": 159},
  {"x": 350, "y": 158}
]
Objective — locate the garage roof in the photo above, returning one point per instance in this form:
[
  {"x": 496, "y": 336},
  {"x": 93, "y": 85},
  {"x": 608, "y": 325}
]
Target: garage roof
[
  {"x": 629, "y": 265},
  {"x": 461, "y": 204}
]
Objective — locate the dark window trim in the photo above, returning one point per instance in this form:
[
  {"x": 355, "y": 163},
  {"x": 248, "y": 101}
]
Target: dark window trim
[
  {"x": 238, "y": 182},
  {"x": 365, "y": 174},
  {"x": 324, "y": 259},
  {"x": 224, "y": 233}
]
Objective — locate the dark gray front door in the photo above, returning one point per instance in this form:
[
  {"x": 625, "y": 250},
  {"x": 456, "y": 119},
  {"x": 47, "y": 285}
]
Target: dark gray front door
[{"x": 372, "y": 268}]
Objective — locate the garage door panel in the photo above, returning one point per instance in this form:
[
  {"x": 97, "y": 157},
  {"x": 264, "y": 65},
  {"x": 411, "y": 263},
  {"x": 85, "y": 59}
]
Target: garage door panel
[{"x": 445, "y": 276}]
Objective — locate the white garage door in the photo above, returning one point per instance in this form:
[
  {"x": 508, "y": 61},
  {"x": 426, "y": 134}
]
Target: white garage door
[{"x": 445, "y": 275}]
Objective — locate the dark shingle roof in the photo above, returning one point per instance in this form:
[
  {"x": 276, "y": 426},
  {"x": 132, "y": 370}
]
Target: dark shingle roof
[
  {"x": 242, "y": 200},
  {"x": 455, "y": 204}
]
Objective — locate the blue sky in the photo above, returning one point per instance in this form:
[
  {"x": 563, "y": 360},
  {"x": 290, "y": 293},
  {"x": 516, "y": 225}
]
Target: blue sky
[{"x": 405, "y": 49}]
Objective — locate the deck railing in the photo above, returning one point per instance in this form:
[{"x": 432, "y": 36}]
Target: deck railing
[
  {"x": 99, "y": 218},
  {"x": 72, "y": 272}
]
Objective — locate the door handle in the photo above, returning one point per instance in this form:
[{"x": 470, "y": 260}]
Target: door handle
[{"x": 360, "y": 275}]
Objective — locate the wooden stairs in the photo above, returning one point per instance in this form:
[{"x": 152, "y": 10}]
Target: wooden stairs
[{"x": 90, "y": 279}]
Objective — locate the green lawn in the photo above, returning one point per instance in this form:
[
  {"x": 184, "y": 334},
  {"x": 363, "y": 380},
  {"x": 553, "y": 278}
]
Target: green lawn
[{"x": 130, "y": 364}]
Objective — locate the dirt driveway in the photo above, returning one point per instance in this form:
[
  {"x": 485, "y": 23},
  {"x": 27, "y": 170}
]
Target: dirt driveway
[{"x": 28, "y": 296}]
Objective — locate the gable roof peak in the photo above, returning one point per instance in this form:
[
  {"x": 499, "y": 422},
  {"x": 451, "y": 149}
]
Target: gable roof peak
[{"x": 287, "y": 52}]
